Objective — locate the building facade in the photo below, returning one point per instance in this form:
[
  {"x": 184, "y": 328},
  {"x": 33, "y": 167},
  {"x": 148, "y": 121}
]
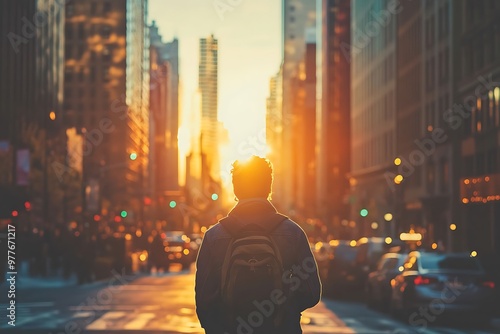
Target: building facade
[
  {"x": 333, "y": 112},
  {"x": 164, "y": 90},
  {"x": 208, "y": 88},
  {"x": 475, "y": 118},
  {"x": 31, "y": 104},
  {"x": 107, "y": 90},
  {"x": 373, "y": 116},
  {"x": 299, "y": 16}
]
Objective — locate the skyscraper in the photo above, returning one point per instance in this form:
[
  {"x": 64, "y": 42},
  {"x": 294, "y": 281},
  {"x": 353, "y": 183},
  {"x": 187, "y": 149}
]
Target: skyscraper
[
  {"x": 107, "y": 90},
  {"x": 373, "y": 111},
  {"x": 333, "y": 111},
  {"x": 208, "y": 88},
  {"x": 31, "y": 96},
  {"x": 165, "y": 110},
  {"x": 298, "y": 17}
]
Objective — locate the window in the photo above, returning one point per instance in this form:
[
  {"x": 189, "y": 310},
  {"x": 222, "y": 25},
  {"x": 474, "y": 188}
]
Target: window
[
  {"x": 68, "y": 31},
  {"x": 106, "y": 54},
  {"x": 70, "y": 9},
  {"x": 105, "y": 74},
  {"x": 445, "y": 176},
  {"x": 81, "y": 30},
  {"x": 93, "y": 8},
  {"x": 68, "y": 51},
  {"x": 107, "y": 7},
  {"x": 81, "y": 50},
  {"x": 68, "y": 75},
  {"x": 105, "y": 31},
  {"x": 430, "y": 177},
  {"x": 67, "y": 93}
]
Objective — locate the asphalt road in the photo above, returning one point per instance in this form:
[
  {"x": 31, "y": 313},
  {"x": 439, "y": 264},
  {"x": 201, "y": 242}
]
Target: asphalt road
[{"x": 164, "y": 304}]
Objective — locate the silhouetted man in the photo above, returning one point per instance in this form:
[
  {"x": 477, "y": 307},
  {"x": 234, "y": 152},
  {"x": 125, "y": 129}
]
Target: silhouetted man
[{"x": 255, "y": 270}]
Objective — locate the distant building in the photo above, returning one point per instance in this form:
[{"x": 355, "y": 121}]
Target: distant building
[
  {"x": 299, "y": 16},
  {"x": 430, "y": 193},
  {"x": 208, "y": 88},
  {"x": 164, "y": 96},
  {"x": 107, "y": 97},
  {"x": 333, "y": 112}
]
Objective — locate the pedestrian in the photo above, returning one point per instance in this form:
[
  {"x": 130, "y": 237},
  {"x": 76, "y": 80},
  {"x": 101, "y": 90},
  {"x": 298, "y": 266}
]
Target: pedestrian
[{"x": 255, "y": 269}]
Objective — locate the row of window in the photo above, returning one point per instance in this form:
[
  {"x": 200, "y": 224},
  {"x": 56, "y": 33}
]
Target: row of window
[
  {"x": 482, "y": 163},
  {"x": 78, "y": 31},
  {"x": 481, "y": 50},
  {"x": 79, "y": 75},
  {"x": 379, "y": 77},
  {"x": 373, "y": 152},
  {"x": 485, "y": 115},
  {"x": 95, "y": 8}
]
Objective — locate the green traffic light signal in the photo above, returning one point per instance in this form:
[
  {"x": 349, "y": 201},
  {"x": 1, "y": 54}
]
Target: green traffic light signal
[
  {"x": 124, "y": 214},
  {"x": 173, "y": 204},
  {"x": 215, "y": 197},
  {"x": 363, "y": 212},
  {"x": 133, "y": 156}
]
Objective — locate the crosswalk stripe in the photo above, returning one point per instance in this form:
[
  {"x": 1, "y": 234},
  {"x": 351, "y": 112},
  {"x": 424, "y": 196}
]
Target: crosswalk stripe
[
  {"x": 102, "y": 322},
  {"x": 140, "y": 322}
]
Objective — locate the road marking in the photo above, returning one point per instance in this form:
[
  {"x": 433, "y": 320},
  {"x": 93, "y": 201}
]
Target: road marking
[
  {"x": 83, "y": 314},
  {"x": 140, "y": 322},
  {"x": 102, "y": 322}
]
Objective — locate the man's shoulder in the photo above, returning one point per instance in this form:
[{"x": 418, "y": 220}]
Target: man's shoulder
[
  {"x": 215, "y": 231},
  {"x": 289, "y": 225}
]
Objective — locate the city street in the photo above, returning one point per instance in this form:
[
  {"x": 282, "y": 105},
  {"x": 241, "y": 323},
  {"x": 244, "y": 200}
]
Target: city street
[{"x": 164, "y": 303}]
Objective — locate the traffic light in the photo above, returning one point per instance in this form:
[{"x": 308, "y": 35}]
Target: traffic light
[
  {"x": 363, "y": 212},
  {"x": 133, "y": 156},
  {"x": 215, "y": 197},
  {"x": 124, "y": 214},
  {"x": 173, "y": 204}
]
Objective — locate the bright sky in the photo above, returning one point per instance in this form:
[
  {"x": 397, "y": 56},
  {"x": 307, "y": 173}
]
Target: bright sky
[{"x": 249, "y": 35}]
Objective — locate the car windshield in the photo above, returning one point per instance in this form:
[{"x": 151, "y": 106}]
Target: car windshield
[{"x": 445, "y": 262}]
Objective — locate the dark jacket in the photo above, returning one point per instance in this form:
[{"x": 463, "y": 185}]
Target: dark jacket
[{"x": 295, "y": 252}]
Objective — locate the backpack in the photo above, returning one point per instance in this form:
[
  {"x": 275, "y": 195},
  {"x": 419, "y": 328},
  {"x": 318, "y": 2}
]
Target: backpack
[{"x": 251, "y": 271}]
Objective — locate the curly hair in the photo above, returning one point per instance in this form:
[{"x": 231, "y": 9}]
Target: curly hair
[{"x": 252, "y": 178}]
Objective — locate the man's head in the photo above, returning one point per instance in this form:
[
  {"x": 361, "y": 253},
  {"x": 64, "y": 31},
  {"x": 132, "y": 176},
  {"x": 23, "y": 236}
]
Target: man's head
[{"x": 252, "y": 178}]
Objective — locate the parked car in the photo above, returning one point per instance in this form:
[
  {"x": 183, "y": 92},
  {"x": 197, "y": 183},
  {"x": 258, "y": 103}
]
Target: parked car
[
  {"x": 178, "y": 248},
  {"x": 455, "y": 281},
  {"x": 378, "y": 286},
  {"x": 368, "y": 253},
  {"x": 340, "y": 277}
]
